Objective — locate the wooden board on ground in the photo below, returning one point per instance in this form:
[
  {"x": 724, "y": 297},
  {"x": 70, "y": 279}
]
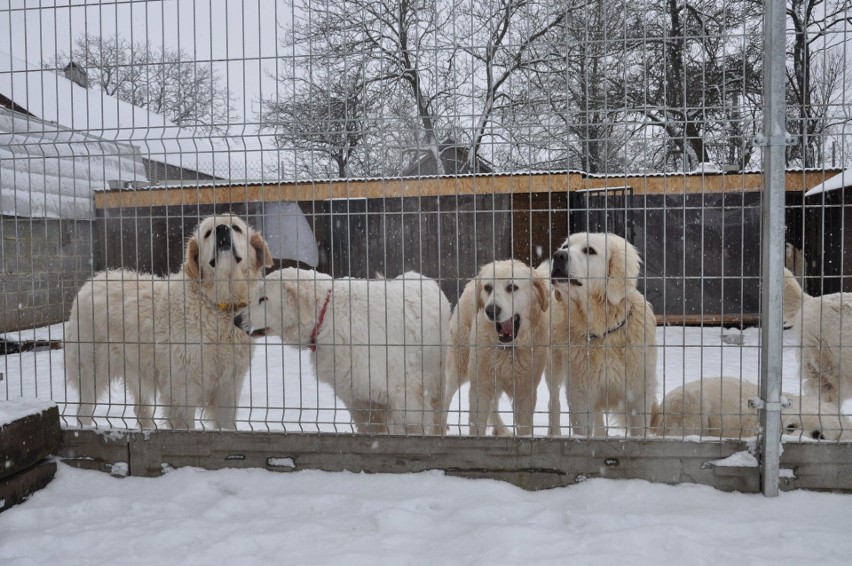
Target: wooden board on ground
[
  {"x": 29, "y": 439},
  {"x": 17, "y": 488}
]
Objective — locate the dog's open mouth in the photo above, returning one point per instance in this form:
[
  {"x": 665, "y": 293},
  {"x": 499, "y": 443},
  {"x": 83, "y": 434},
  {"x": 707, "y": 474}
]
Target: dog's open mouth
[
  {"x": 224, "y": 250},
  {"x": 575, "y": 282},
  {"x": 258, "y": 333},
  {"x": 508, "y": 329}
]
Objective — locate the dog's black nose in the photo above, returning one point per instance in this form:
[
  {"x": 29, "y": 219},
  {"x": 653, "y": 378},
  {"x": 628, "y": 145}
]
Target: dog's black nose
[
  {"x": 492, "y": 311},
  {"x": 223, "y": 237},
  {"x": 238, "y": 321},
  {"x": 559, "y": 265}
]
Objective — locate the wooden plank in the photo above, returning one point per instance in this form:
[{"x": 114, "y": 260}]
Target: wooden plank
[
  {"x": 670, "y": 184},
  {"x": 17, "y": 488},
  {"x": 28, "y": 440},
  {"x": 529, "y": 463}
]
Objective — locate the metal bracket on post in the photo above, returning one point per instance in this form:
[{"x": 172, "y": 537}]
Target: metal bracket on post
[
  {"x": 767, "y": 141},
  {"x": 758, "y": 403}
]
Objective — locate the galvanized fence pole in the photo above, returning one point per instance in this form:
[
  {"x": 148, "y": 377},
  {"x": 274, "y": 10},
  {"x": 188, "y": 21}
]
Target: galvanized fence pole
[{"x": 772, "y": 243}]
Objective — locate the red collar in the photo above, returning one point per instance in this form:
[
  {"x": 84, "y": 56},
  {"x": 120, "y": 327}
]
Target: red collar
[{"x": 312, "y": 345}]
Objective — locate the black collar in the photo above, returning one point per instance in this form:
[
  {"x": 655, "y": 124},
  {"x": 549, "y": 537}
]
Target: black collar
[{"x": 610, "y": 330}]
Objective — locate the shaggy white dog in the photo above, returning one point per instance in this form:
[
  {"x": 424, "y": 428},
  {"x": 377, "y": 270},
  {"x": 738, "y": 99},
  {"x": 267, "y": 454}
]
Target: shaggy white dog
[
  {"x": 499, "y": 340},
  {"x": 377, "y": 342},
  {"x": 608, "y": 357},
  {"x": 823, "y": 327},
  {"x": 719, "y": 407},
  {"x": 171, "y": 339}
]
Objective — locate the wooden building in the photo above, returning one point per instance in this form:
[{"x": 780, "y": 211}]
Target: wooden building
[{"x": 699, "y": 234}]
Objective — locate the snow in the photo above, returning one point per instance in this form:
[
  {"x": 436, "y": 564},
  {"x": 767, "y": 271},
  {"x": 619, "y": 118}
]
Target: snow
[
  {"x": 11, "y": 411},
  {"x": 839, "y": 181},
  {"x": 742, "y": 459},
  {"x": 47, "y": 171},
  {"x": 53, "y": 98},
  {"x": 192, "y": 516},
  {"x": 282, "y": 394}
]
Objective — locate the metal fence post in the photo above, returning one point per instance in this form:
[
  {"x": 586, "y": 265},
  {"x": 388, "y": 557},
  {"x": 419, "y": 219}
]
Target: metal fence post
[{"x": 772, "y": 243}]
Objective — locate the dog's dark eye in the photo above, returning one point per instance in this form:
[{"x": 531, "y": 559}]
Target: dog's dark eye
[
  {"x": 791, "y": 427},
  {"x": 511, "y": 288},
  {"x": 589, "y": 251},
  {"x": 236, "y": 229},
  {"x": 817, "y": 435},
  {"x": 262, "y": 299},
  {"x": 488, "y": 288},
  {"x": 207, "y": 234}
]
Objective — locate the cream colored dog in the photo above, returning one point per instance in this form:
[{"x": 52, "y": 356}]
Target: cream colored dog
[
  {"x": 823, "y": 327},
  {"x": 377, "y": 343},
  {"x": 609, "y": 355},
  {"x": 499, "y": 337},
  {"x": 171, "y": 339},
  {"x": 719, "y": 407}
]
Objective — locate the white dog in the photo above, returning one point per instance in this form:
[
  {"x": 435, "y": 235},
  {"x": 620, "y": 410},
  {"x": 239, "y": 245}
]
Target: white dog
[
  {"x": 170, "y": 336},
  {"x": 719, "y": 407},
  {"x": 377, "y": 343},
  {"x": 499, "y": 337},
  {"x": 823, "y": 326},
  {"x": 609, "y": 358}
]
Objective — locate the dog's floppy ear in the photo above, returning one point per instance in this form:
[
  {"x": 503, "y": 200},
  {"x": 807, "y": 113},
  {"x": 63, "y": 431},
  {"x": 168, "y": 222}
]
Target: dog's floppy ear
[
  {"x": 190, "y": 263},
  {"x": 263, "y": 257},
  {"x": 542, "y": 293},
  {"x": 622, "y": 269},
  {"x": 477, "y": 289}
]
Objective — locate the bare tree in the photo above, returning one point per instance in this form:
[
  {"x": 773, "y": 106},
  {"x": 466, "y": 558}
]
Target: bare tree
[
  {"x": 505, "y": 38},
  {"x": 695, "y": 60},
  {"x": 811, "y": 70},
  {"x": 325, "y": 114},
  {"x": 394, "y": 42},
  {"x": 166, "y": 81},
  {"x": 573, "y": 98}
]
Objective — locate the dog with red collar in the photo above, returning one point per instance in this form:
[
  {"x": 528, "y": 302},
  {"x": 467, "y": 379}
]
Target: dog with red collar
[{"x": 376, "y": 342}]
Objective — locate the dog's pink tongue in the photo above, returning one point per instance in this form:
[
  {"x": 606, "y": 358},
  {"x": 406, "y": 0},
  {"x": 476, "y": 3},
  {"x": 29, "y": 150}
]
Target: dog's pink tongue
[{"x": 507, "y": 327}]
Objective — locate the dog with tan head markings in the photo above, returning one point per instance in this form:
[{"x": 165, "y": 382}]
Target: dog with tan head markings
[
  {"x": 172, "y": 339},
  {"x": 499, "y": 336},
  {"x": 608, "y": 344}
]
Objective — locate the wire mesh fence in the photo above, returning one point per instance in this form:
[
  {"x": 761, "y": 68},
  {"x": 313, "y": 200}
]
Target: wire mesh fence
[{"x": 439, "y": 218}]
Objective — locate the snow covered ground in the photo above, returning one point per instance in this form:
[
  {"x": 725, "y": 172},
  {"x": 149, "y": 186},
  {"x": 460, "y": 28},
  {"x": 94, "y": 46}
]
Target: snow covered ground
[
  {"x": 249, "y": 517},
  {"x": 192, "y": 516},
  {"x": 282, "y": 394}
]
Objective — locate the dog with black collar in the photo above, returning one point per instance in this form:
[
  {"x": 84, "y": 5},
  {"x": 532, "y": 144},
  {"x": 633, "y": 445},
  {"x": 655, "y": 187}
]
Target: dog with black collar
[{"x": 605, "y": 347}]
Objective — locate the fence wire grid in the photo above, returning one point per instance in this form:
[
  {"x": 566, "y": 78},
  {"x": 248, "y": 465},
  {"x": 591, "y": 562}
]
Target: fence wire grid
[{"x": 442, "y": 218}]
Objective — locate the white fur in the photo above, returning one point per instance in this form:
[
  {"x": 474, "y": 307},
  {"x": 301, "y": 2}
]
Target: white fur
[
  {"x": 378, "y": 346},
  {"x": 605, "y": 350},
  {"x": 823, "y": 327},
  {"x": 169, "y": 338},
  {"x": 718, "y": 407},
  {"x": 509, "y": 290}
]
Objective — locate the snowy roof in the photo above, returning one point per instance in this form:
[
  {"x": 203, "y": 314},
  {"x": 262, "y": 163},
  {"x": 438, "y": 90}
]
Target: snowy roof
[
  {"x": 840, "y": 181},
  {"x": 53, "y": 98},
  {"x": 47, "y": 171}
]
